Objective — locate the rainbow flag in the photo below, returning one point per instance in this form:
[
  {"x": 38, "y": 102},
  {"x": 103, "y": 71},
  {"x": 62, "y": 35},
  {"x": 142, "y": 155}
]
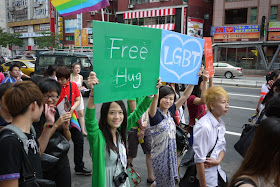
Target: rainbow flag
[
  {"x": 72, "y": 7},
  {"x": 74, "y": 122}
]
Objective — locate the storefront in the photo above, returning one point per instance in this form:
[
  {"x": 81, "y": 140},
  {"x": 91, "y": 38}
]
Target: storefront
[
  {"x": 168, "y": 18},
  {"x": 274, "y": 35},
  {"x": 236, "y": 46}
]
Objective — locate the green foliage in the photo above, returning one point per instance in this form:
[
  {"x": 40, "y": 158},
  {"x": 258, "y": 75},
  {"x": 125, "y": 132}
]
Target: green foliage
[
  {"x": 48, "y": 40},
  {"x": 10, "y": 39}
]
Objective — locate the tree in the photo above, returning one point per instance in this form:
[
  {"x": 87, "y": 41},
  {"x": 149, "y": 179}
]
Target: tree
[
  {"x": 48, "y": 40},
  {"x": 10, "y": 39}
]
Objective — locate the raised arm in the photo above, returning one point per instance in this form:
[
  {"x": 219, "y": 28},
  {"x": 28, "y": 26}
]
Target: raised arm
[
  {"x": 153, "y": 107},
  {"x": 92, "y": 80},
  {"x": 201, "y": 100},
  {"x": 184, "y": 97}
]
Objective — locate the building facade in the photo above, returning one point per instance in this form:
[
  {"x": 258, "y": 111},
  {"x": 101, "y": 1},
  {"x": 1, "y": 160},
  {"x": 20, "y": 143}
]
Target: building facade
[
  {"x": 246, "y": 33},
  {"x": 191, "y": 17},
  {"x": 30, "y": 18},
  {"x": 84, "y": 21}
]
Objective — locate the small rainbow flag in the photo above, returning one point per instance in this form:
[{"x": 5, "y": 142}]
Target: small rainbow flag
[
  {"x": 72, "y": 7},
  {"x": 74, "y": 121}
]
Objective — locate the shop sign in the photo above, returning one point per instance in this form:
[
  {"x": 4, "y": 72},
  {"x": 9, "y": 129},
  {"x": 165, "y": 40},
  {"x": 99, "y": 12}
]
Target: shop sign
[
  {"x": 274, "y": 36},
  {"x": 71, "y": 25},
  {"x": 20, "y": 29},
  {"x": 236, "y": 37},
  {"x": 20, "y": 13},
  {"x": 25, "y": 48},
  {"x": 31, "y": 35},
  {"x": 274, "y": 26},
  {"x": 89, "y": 30},
  {"x": 195, "y": 27},
  {"x": 29, "y": 22},
  {"x": 237, "y": 33},
  {"x": 237, "y": 29}
]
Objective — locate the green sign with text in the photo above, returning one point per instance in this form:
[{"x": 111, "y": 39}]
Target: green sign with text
[{"x": 126, "y": 60}]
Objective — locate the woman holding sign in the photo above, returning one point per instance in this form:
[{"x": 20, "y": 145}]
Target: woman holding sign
[
  {"x": 163, "y": 131},
  {"x": 108, "y": 139}
]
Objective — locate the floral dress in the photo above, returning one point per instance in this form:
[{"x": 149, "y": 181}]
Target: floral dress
[{"x": 163, "y": 154}]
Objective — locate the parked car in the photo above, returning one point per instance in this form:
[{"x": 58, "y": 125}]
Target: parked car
[
  {"x": 27, "y": 66},
  {"x": 227, "y": 70},
  {"x": 65, "y": 58}
]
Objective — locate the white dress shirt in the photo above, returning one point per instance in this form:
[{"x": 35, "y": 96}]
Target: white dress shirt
[{"x": 205, "y": 134}]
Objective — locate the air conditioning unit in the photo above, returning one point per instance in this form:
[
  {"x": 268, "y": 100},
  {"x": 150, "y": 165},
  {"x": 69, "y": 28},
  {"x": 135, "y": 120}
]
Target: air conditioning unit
[
  {"x": 24, "y": 6},
  {"x": 92, "y": 13},
  {"x": 40, "y": 2},
  {"x": 130, "y": 6}
]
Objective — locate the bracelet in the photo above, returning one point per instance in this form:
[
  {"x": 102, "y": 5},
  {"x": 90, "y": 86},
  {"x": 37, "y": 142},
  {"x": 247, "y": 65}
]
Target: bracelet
[
  {"x": 91, "y": 95},
  {"x": 47, "y": 125}
]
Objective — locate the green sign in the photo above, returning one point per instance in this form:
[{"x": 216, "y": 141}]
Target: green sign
[{"x": 126, "y": 60}]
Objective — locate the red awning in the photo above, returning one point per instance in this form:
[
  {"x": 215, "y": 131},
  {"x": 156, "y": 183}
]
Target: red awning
[
  {"x": 149, "y": 13},
  {"x": 170, "y": 26}
]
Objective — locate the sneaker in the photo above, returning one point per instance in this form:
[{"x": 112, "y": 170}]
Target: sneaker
[{"x": 85, "y": 171}]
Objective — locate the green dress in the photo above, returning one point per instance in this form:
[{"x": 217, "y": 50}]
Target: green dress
[{"x": 104, "y": 167}]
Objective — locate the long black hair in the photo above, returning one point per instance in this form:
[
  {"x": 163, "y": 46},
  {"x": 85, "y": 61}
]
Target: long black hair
[
  {"x": 265, "y": 146},
  {"x": 272, "y": 75},
  {"x": 164, "y": 91},
  {"x": 270, "y": 94},
  {"x": 105, "y": 128},
  {"x": 196, "y": 90}
]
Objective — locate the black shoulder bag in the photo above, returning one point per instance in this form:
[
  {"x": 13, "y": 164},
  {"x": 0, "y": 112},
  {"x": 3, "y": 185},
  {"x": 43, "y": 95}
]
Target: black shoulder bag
[
  {"x": 247, "y": 135},
  {"x": 189, "y": 178},
  {"x": 27, "y": 174}
]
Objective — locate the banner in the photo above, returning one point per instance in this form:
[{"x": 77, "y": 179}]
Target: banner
[
  {"x": 126, "y": 60},
  {"x": 181, "y": 57},
  {"x": 274, "y": 26},
  {"x": 195, "y": 27},
  {"x": 77, "y": 37},
  {"x": 84, "y": 35},
  {"x": 208, "y": 54}
]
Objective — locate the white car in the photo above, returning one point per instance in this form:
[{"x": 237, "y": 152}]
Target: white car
[{"x": 227, "y": 70}]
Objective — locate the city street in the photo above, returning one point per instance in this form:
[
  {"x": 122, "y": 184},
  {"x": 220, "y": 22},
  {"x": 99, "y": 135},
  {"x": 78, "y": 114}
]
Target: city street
[{"x": 242, "y": 105}]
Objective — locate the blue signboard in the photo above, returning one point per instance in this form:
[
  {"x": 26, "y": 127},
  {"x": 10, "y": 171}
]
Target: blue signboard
[
  {"x": 181, "y": 57},
  {"x": 237, "y": 29}
]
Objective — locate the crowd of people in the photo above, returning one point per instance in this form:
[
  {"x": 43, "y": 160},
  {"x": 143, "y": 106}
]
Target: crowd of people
[{"x": 44, "y": 109}]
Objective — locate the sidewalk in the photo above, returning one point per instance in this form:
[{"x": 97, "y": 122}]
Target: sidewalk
[{"x": 245, "y": 81}]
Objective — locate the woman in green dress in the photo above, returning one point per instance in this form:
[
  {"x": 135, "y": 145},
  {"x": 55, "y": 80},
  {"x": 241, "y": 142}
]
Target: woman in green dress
[{"x": 108, "y": 139}]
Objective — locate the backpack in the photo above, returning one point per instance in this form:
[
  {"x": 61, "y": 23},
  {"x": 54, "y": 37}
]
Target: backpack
[
  {"x": 28, "y": 174},
  {"x": 20, "y": 135}
]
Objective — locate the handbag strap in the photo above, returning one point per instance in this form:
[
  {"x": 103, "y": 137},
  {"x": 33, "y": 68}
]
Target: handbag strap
[
  {"x": 210, "y": 152},
  {"x": 28, "y": 173},
  {"x": 118, "y": 158}
]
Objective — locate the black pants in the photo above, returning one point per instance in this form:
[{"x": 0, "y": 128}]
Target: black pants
[
  {"x": 78, "y": 140},
  {"x": 60, "y": 173}
]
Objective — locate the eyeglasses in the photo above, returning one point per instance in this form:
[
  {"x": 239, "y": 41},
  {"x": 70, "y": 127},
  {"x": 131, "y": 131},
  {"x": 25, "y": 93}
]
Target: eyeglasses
[{"x": 54, "y": 97}]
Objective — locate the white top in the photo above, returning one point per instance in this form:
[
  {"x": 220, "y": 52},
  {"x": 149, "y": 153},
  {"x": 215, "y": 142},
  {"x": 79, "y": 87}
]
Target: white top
[{"x": 205, "y": 134}]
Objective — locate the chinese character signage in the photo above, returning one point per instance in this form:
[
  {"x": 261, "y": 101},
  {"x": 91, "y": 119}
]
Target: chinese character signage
[
  {"x": 237, "y": 33},
  {"x": 274, "y": 26}
]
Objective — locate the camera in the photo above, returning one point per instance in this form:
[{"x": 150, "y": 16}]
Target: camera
[{"x": 120, "y": 179}]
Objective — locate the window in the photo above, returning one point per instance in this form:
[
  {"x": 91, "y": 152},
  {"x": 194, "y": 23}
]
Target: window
[
  {"x": 273, "y": 14},
  {"x": 236, "y": 16},
  {"x": 253, "y": 15},
  {"x": 89, "y": 24},
  {"x": 222, "y": 65}
]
